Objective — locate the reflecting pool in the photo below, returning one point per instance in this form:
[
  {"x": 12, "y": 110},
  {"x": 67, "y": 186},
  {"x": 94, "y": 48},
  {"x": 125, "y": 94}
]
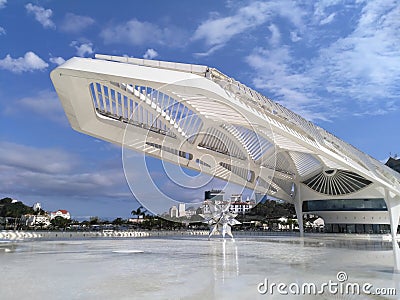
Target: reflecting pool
[{"x": 191, "y": 268}]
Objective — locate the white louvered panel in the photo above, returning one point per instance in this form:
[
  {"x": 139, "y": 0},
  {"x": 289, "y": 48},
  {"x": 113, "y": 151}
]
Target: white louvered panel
[
  {"x": 285, "y": 143},
  {"x": 221, "y": 172},
  {"x": 330, "y": 164},
  {"x": 255, "y": 144},
  {"x": 214, "y": 109},
  {"x": 305, "y": 163},
  {"x": 280, "y": 162}
]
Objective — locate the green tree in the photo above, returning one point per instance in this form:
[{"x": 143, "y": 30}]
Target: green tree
[
  {"x": 196, "y": 218},
  {"x": 39, "y": 212},
  {"x": 14, "y": 210},
  {"x": 6, "y": 200},
  {"x": 118, "y": 221},
  {"x": 60, "y": 222},
  {"x": 94, "y": 221}
]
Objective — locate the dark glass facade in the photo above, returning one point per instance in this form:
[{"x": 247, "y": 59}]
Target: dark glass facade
[
  {"x": 357, "y": 228},
  {"x": 348, "y": 205},
  {"x": 345, "y": 205}
]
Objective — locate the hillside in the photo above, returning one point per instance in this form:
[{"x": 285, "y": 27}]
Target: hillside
[{"x": 15, "y": 210}]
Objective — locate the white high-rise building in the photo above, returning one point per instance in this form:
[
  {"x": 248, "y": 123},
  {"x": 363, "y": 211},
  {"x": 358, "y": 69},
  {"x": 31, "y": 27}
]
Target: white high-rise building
[
  {"x": 173, "y": 212},
  {"x": 182, "y": 210}
]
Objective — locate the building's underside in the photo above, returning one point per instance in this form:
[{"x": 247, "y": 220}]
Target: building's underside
[{"x": 199, "y": 118}]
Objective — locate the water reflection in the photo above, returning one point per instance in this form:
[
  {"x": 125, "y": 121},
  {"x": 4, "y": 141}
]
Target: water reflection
[
  {"x": 372, "y": 245},
  {"x": 188, "y": 268},
  {"x": 225, "y": 259},
  {"x": 7, "y": 246}
]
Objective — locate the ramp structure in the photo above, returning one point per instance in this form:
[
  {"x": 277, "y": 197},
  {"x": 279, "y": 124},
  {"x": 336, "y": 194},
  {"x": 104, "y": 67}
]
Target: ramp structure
[{"x": 197, "y": 117}]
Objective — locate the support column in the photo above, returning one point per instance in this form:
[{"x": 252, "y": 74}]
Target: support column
[
  {"x": 394, "y": 214},
  {"x": 298, "y": 205}
]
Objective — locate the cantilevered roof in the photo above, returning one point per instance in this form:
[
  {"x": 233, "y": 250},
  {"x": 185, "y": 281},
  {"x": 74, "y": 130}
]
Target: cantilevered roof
[{"x": 183, "y": 113}]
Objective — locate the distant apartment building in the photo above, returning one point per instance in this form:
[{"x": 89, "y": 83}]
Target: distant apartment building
[
  {"x": 191, "y": 212},
  {"x": 173, "y": 212},
  {"x": 139, "y": 219},
  {"x": 60, "y": 213},
  {"x": 178, "y": 211},
  {"x": 212, "y": 197},
  {"x": 34, "y": 221},
  {"x": 182, "y": 210},
  {"x": 238, "y": 206}
]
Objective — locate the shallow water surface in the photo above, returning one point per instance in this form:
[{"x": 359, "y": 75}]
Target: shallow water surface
[{"x": 188, "y": 267}]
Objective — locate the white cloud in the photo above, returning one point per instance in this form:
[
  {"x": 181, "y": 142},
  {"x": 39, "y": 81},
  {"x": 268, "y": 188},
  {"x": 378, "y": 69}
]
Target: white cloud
[
  {"x": 217, "y": 31},
  {"x": 82, "y": 49},
  {"x": 45, "y": 104},
  {"x": 75, "y": 23},
  {"x": 366, "y": 62},
  {"x": 328, "y": 19},
  {"x": 275, "y": 35},
  {"x": 57, "y": 60},
  {"x": 294, "y": 37},
  {"x": 3, "y": 3},
  {"x": 30, "y": 62},
  {"x": 42, "y": 15},
  {"x": 135, "y": 32},
  {"x": 275, "y": 74},
  {"x": 2, "y": 31},
  {"x": 150, "y": 54},
  {"x": 321, "y": 7},
  {"x": 32, "y": 159},
  {"x": 41, "y": 171},
  {"x": 378, "y": 112},
  {"x": 360, "y": 65},
  {"x": 208, "y": 52}
]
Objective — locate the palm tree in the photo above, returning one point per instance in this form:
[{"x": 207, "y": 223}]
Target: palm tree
[
  {"x": 141, "y": 211},
  {"x": 138, "y": 212}
]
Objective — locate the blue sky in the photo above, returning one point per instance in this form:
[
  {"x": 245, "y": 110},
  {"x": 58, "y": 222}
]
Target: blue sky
[{"x": 337, "y": 63}]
